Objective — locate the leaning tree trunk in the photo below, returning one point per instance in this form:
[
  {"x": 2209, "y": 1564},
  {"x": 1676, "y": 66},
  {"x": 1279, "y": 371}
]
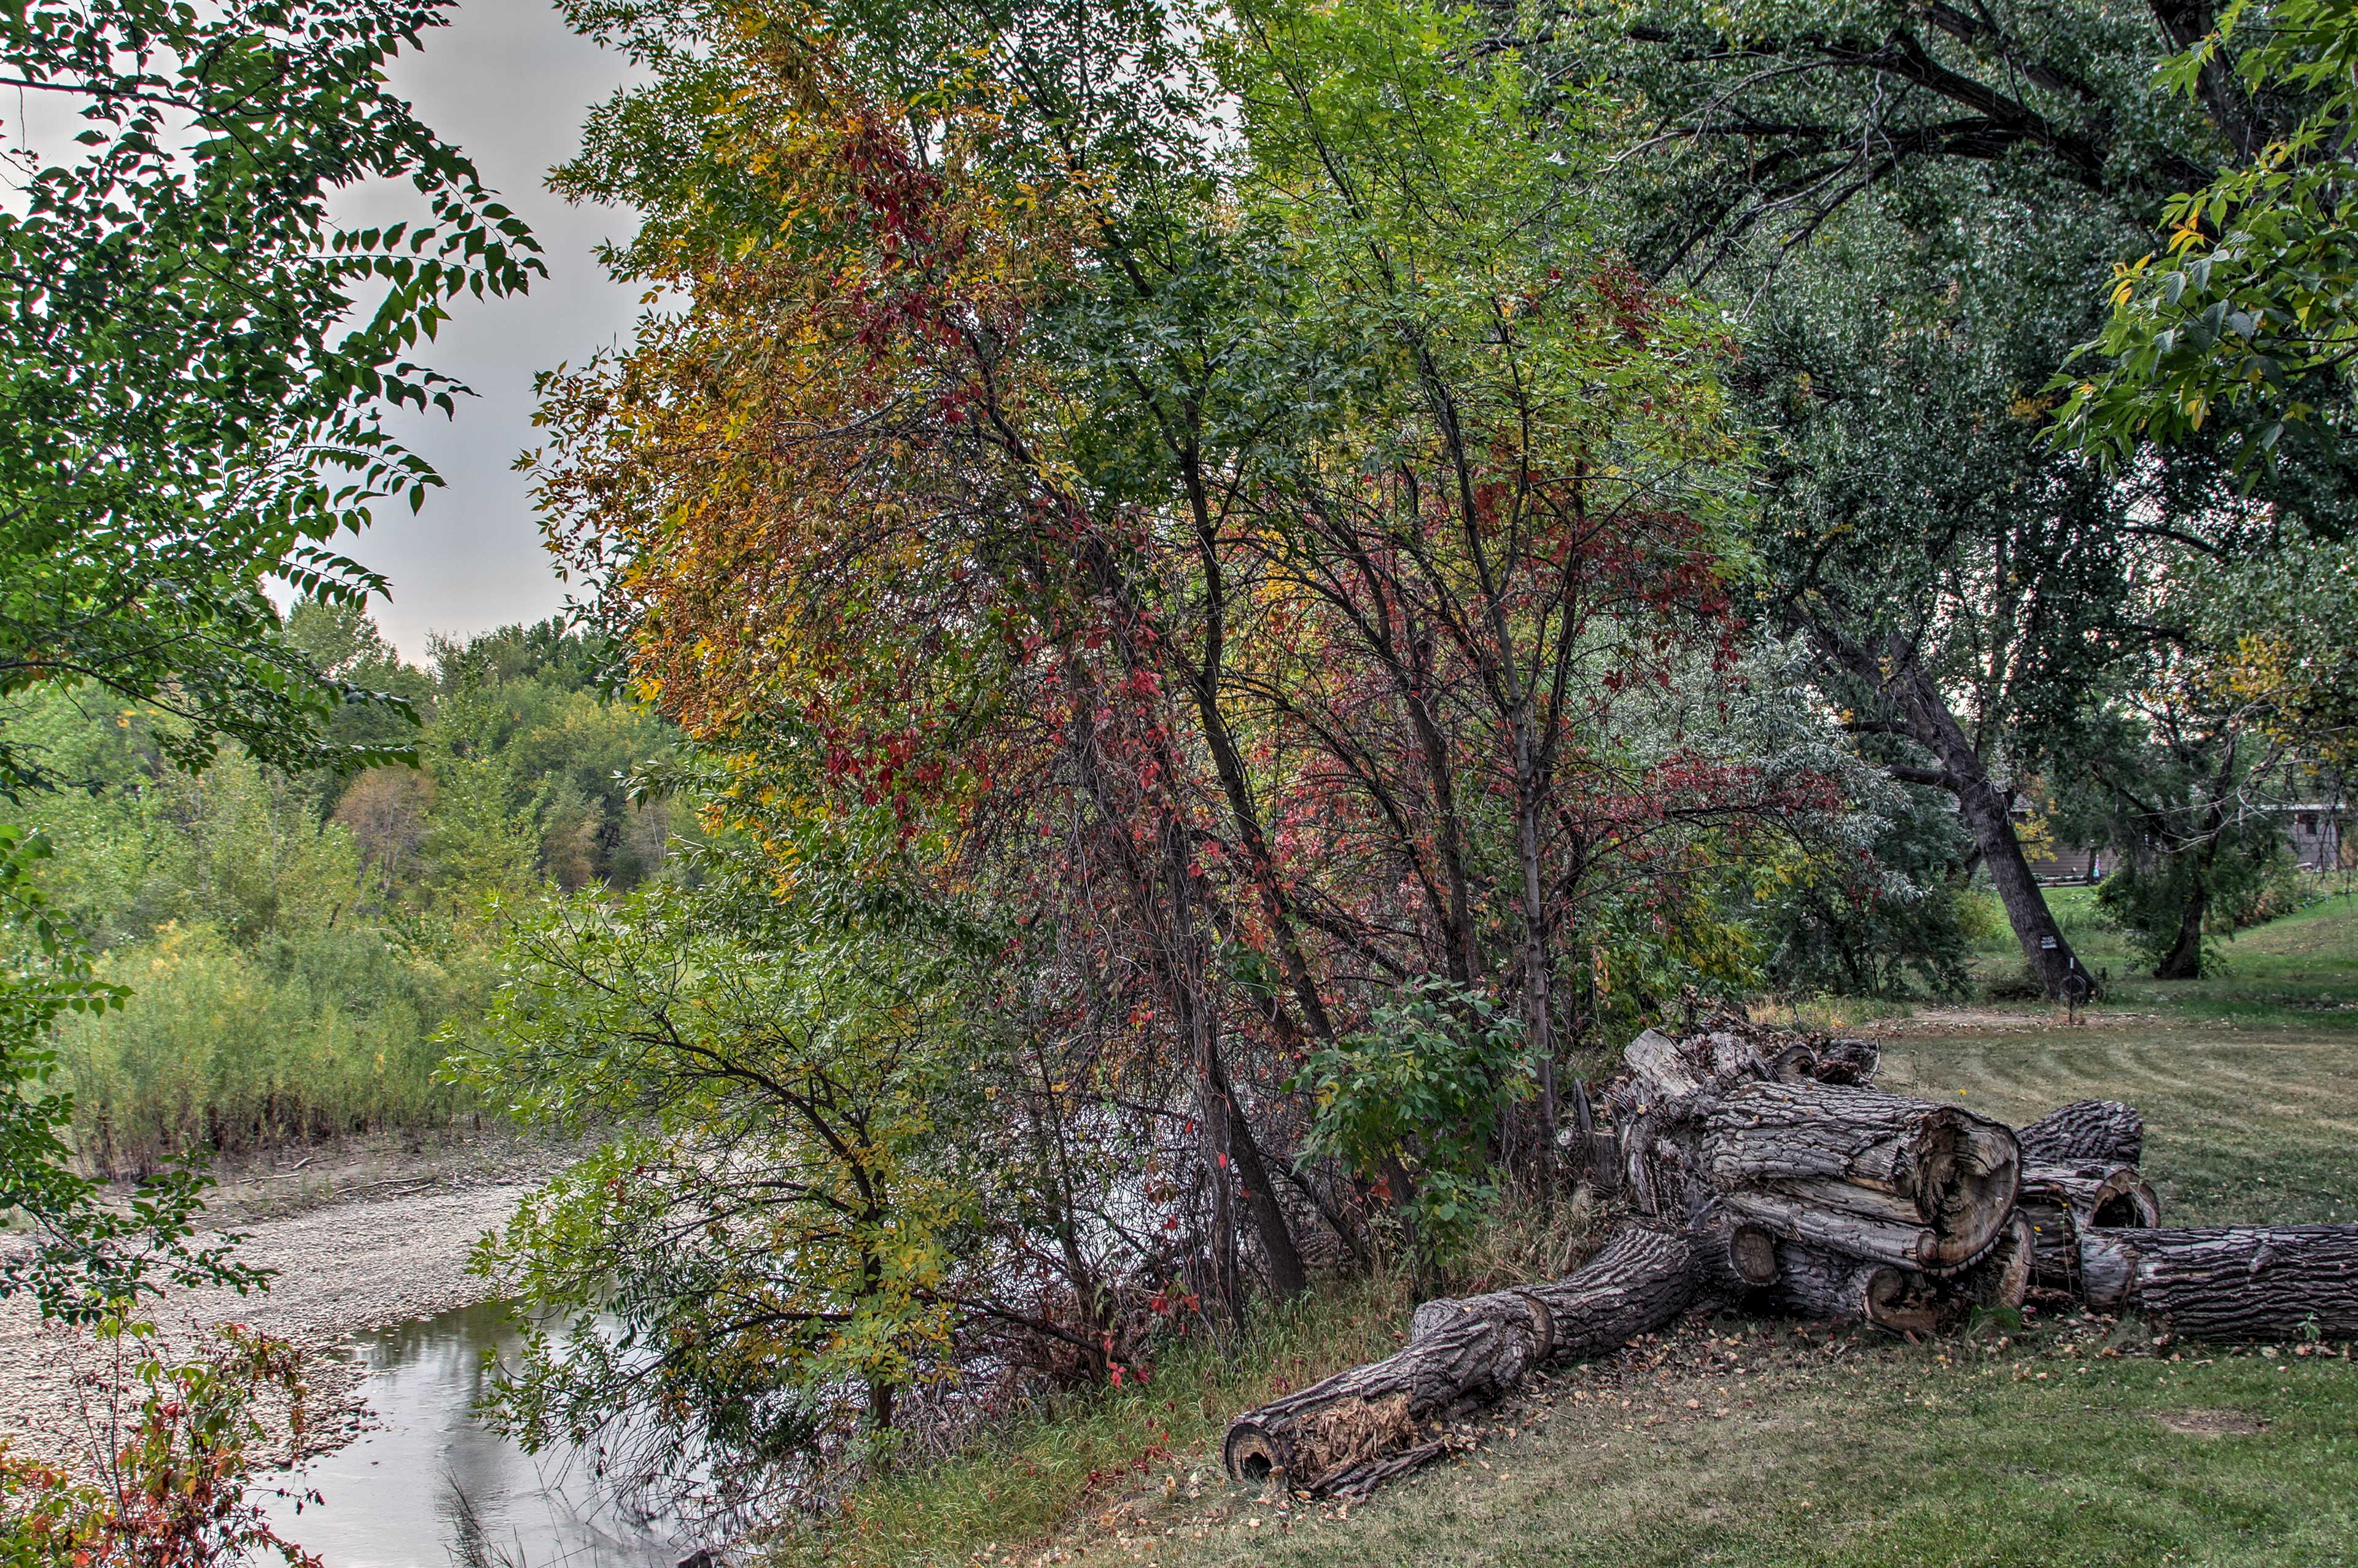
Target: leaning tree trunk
[
  {"x": 2086, "y": 1129},
  {"x": 1916, "y": 701},
  {"x": 1358, "y": 1428},
  {"x": 2232, "y": 1282},
  {"x": 2062, "y": 1202}
]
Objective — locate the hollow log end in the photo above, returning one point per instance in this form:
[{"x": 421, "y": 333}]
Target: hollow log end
[
  {"x": 2126, "y": 1202},
  {"x": 1900, "y": 1301},
  {"x": 1252, "y": 1454}
]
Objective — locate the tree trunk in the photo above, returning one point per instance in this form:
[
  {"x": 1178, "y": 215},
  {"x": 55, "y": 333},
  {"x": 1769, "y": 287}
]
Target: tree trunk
[
  {"x": 2229, "y": 1282},
  {"x": 1859, "y": 1172},
  {"x": 1924, "y": 715},
  {"x": 2082, "y": 1131},
  {"x": 2061, "y": 1202},
  {"x": 1985, "y": 812},
  {"x": 1287, "y": 1276},
  {"x": 1358, "y": 1428},
  {"x": 2184, "y": 960}
]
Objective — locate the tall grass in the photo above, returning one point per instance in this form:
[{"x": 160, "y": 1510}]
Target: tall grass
[{"x": 229, "y": 1049}]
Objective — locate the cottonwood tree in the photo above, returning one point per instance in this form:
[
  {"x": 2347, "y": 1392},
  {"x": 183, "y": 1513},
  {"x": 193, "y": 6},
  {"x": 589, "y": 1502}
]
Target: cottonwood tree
[{"x": 1916, "y": 207}]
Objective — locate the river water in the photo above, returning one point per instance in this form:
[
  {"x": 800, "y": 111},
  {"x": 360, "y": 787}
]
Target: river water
[{"x": 429, "y": 1486}]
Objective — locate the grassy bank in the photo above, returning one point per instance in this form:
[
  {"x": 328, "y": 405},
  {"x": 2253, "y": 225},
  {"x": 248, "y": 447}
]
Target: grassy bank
[
  {"x": 2061, "y": 1443},
  {"x": 2042, "y": 1449},
  {"x": 1044, "y": 1470}
]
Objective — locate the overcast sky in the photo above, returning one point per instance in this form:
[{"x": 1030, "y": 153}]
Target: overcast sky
[{"x": 509, "y": 84}]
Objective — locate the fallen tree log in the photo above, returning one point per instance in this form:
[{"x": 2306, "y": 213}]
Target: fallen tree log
[
  {"x": 2061, "y": 1201},
  {"x": 1733, "y": 1258},
  {"x": 2230, "y": 1282},
  {"x": 1360, "y": 1427},
  {"x": 1831, "y": 1287},
  {"x": 1823, "y": 1286},
  {"x": 2086, "y": 1129},
  {"x": 1874, "y": 1175}
]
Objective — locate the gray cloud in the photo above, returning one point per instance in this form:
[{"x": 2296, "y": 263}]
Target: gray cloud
[{"x": 508, "y": 82}]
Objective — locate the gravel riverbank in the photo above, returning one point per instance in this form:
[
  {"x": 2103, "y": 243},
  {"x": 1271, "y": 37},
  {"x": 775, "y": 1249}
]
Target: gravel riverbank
[{"x": 386, "y": 1249}]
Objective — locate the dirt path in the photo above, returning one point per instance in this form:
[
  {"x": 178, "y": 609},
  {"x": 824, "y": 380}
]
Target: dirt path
[{"x": 381, "y": 1256}]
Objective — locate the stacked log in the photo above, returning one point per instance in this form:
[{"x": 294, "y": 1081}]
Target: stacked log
[
  {"x": 1766, "y": 1172},
  {"x": 2098, "y": 1129}
]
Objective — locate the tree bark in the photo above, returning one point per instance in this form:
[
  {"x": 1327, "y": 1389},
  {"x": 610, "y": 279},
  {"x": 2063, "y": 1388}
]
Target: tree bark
[
  {"x": 1829, "y": 1287},
  {"x": 1856, "y": 1171},
  {"x": 2229, "y": 1282},
  {"x": 1923, "y": 713},
  {"x": 2082, "y": 1131},
  {"x": 1287, "y": 1276},
  {"x": 1360, "y": 1427},
  {"x": 2062, "y": 1202}
]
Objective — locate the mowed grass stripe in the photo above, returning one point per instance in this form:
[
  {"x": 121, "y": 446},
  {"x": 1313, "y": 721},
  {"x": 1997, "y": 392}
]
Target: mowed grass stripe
[{"x": 2239, "y": 1127}]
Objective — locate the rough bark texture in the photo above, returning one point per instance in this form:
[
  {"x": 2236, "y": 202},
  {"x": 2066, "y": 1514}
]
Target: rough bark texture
[
  {"x": 2086, "y": 1129},
  {"x": 2058, "y": 1202},
  {"x": 1360, "y": 1427},
  {"x": 1875, "y": 1175},
  {"x": 1829, "y": 1287},
  {"x": 1733, "y": 1259},
  {"x": 2230, "y": 1282}
]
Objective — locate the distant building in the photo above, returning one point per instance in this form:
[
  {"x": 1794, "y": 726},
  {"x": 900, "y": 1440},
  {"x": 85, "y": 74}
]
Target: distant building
[
  {"x": 2314, "y": 830},
  {"x": 2318, "y": 844}
]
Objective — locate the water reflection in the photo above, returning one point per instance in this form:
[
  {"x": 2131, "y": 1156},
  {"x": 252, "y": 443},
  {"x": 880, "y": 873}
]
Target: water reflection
[{"x": 431, "y": 1486}]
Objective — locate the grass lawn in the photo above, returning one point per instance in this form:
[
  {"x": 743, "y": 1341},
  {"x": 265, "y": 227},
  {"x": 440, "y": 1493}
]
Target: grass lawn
[
  {"x": 2042, "y": 1451},
  {"x": 2061, "y": 1442}
]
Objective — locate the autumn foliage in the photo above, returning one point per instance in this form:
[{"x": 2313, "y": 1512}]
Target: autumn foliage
[{"x": 1230, "y": 524}]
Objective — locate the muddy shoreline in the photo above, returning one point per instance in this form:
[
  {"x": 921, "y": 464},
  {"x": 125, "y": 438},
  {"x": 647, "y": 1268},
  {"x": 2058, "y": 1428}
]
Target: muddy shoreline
[{"x": 361, "y": 1236}]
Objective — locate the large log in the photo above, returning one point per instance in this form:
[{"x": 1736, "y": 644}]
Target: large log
[
  {"x": 2061, "y": 1201},
  {"x": 1733, "y": 1258},
  {"x": 1876, "y": 1176},
  {"x": 2228, "y": 1282},
  {"x": 1829, "y": 1287},
  {"x": 2085, "y": 1131},
  {"x": 1358, "y": 1427},
  {"x": 1823, "y": 1286}
]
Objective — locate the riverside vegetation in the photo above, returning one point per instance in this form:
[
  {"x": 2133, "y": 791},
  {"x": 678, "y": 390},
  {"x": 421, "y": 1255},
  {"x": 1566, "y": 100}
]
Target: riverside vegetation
[{"x": 1191, "y": 615}]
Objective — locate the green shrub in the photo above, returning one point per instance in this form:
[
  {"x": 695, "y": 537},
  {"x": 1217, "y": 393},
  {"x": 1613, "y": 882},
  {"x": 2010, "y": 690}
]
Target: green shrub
[
  {"x": 1414, "y": 1099},
  {"x": 225, "y": 1049}
]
